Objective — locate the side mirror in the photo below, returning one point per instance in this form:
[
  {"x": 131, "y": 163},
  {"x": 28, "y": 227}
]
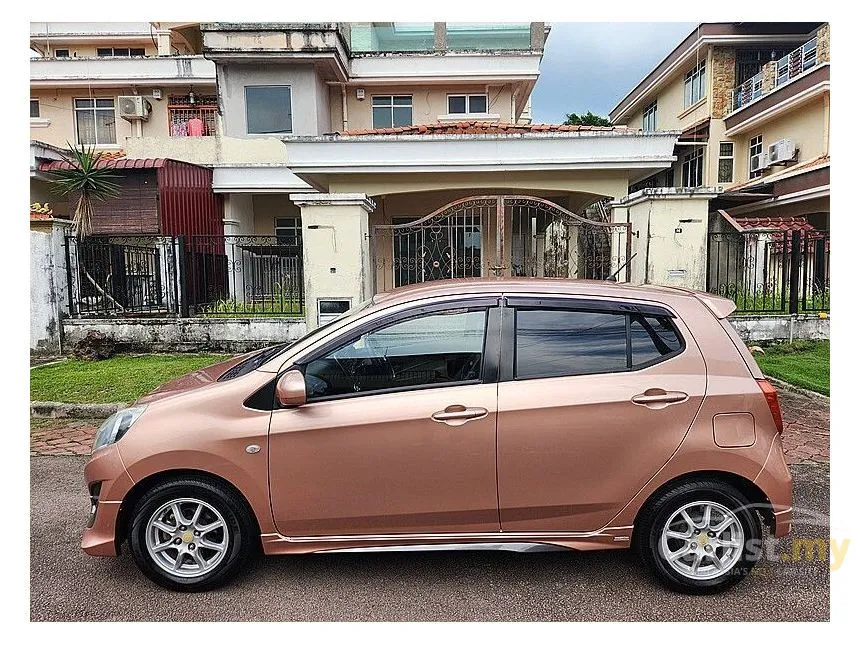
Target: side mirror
[{"x": 290, "y": 389}]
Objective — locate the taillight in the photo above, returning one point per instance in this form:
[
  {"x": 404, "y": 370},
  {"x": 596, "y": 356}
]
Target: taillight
[{"x": 772, "y": 398}]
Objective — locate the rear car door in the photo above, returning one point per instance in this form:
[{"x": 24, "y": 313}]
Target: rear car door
[
  {"x": 399, "y": 432},
  {"x": 594, "y": 398}
]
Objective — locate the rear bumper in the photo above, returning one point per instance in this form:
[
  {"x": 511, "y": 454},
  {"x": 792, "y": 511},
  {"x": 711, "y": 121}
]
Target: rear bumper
[
  {"x": 775, "y": 480},
  {"x": 105, "y": 466}
]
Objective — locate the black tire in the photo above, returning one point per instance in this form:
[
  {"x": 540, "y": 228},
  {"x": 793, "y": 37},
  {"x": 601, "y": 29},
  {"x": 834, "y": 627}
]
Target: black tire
[
  {"x": 659, "y": 509},
  {"x": 242, "y": 541}
]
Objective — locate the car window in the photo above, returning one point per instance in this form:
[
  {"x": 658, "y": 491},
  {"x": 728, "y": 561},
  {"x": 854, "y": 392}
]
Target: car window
[
  {"x": 430, "y": 350},
  {"x": 651, "y": 338},
  {"x": 560, "y": 342}
]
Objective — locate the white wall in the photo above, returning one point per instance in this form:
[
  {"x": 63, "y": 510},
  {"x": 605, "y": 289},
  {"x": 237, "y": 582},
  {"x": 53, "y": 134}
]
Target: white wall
[
  {"x": 670, "y": 236},
  {"x": 308, "y": 96},
  {"x": 48, "y": 291}
]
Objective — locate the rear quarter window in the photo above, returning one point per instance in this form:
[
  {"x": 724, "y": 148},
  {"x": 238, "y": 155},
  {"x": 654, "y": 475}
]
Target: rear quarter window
[{"x": 567, "y": 342}]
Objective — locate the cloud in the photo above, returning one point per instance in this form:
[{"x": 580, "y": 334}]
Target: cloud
[{"x": 591, "y": 66}]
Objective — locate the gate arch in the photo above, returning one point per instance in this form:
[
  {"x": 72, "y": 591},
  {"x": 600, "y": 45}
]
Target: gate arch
[{"x": 501, "y": 235}]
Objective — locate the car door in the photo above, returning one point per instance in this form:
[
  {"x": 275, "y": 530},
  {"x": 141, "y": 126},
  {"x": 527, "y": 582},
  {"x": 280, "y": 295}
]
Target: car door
[
  {"x": 398, "y": 435},
  {"x": 594, "y": 398}
]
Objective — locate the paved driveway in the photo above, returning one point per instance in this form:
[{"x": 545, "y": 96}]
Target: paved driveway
[{"x": 568, "y": 586}]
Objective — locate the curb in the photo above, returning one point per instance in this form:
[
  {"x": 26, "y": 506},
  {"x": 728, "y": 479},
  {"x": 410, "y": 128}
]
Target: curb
[
  {"x": 58, "y": 410},
  {"x": 797, "y": 390}
]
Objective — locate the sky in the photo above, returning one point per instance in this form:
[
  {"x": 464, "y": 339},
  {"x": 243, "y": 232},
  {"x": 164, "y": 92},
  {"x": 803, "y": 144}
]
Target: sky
[{"x": 591, "y": 66}]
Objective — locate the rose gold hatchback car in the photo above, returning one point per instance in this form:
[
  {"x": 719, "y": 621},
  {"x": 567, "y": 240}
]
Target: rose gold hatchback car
[{"x": 488, "y": 413}]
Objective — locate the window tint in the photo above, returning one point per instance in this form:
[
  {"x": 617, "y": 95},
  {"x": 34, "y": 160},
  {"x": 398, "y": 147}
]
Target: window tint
[
  {"x": 652, "y": 337},
  {"x": 435, "y": 349},
  {"x": 565, "y": 343},
  {"x": 268, "y": 109}
]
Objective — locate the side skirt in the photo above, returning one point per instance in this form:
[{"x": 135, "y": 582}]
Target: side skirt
[{"x": 616, "y": 537}]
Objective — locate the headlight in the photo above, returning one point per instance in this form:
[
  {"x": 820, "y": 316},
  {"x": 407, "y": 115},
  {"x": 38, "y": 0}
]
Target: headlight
[{"x": 116, "y": 426}]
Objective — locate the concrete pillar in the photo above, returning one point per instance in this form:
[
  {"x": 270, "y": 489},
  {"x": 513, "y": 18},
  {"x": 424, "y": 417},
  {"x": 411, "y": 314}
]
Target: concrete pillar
[
  {"x": 537, "y": 35},
  {"x": 722, "y": 81},
  {"x": 822, "y": 54},
  {"x": 238, "y": 214},
  {"x": 670, "y": 235},
  {"x": 49, "y": 292},
  {"x": 336, "y": 248},
  {"x": 440, "y": 36},
  {"x": 768, "y": 77},
  {"x": 162, "y": 37}
]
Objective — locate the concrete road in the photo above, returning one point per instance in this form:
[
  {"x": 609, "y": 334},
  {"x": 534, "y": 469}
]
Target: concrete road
[{"x": 66, "y": 584}]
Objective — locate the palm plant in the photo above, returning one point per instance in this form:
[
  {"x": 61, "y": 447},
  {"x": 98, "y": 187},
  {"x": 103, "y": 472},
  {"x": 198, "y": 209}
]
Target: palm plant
[{"x": 87, "y": 179}]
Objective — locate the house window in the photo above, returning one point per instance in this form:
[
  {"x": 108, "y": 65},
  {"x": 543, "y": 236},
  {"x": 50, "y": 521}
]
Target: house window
[
  {"x": 95, "y": 122},
  {"x": 288, "y": 230},
  {"x": 649, "y": 118},
  {"x": 61, "y": 53},
  {"x": 726, "y": 164},
  {"x": 694, "y": 85},
  {"x": 392, "y": 111},
  {"x": 268, "y": 109},
  {"x": 120, "y": 51},
  {"x": 467, "y": 104},
  {"x": 755, "y": 150},
  {"x": 34, "y": 108},
  {"x": 692, "y": 168},
  {"x": 190, "y": 116}
]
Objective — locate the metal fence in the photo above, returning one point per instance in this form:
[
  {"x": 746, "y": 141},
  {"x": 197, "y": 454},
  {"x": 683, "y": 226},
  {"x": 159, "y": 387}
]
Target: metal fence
[
  {"x": 243, "y": 275},
  {"x": 200, "y": 275},
  {"x": 785, "y": 272},
  {"x": 128, "y": 275}
]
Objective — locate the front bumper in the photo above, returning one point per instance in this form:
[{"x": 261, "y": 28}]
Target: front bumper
[{"x": 105, "y": 467}]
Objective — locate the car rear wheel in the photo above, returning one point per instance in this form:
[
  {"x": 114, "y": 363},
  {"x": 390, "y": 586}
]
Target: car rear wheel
[
  {"x": 191, "y": 534},
  {"x": 699, "y": 537}
]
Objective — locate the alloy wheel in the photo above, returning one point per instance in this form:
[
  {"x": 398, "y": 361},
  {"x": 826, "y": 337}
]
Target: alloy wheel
[
  {"x": 702, "y": 540},
  {"x": 187, "y": 537}
]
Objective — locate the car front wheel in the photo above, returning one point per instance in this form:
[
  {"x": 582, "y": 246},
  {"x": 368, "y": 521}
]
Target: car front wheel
[
  {"x": 191, "y": 535},
  {"x": 699, "y": 537}
]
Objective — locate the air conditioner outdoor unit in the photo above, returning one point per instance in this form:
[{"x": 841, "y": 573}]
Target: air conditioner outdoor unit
[
  {"x": 758, "y": 162},
  {"x": 781, "y": 151},
  {"x": 134, "y": 108}
]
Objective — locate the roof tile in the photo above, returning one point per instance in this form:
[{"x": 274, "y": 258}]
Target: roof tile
[{"x": 477, "y": 127}]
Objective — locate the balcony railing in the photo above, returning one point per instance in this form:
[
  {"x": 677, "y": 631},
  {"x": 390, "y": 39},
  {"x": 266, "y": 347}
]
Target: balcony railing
[
  {"x": 776, "y": 74},
  {"x": 796, "y": 62},
  {"x": 748, "y": 91},
  {"x": 107, "y": 71},
  {"x": 421, "y": 37}
]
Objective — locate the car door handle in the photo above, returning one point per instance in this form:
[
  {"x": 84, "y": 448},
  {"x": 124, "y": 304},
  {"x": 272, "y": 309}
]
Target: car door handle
[
  {"x": 657, "y": 398},
  {"x": 457, "y": 415}
]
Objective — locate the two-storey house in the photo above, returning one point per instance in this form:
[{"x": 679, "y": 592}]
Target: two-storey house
[{"x": 752, "y": 102}]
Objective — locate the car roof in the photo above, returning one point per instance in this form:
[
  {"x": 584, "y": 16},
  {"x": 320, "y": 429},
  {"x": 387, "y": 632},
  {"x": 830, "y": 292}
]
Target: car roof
[{"x": 560, "y": 286}]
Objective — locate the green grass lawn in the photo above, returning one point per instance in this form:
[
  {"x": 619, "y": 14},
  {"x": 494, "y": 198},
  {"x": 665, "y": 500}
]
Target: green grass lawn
[
  {"x": 117, "y": 379},
  {"x": 805, "y": 363}
]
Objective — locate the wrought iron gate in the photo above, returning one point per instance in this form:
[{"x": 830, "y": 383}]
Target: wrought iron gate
[{"x": 504, "y": 235}]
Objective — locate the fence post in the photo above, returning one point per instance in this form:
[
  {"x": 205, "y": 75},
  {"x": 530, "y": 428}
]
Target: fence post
[
  {"x": 69, "y": 283},
  {"x": 794, "y": 275},
  {"x": 181, "y": 284}
]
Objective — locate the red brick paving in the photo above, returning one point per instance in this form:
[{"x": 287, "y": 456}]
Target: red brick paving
[
  {"x": 806, "y": 436},
  {"x": 62, "y": 436}
]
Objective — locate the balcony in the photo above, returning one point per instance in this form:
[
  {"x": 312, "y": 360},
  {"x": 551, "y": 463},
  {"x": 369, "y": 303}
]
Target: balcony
[
  {"x": 776, "y": 74},
  {"x": 426, "y": 37},
  {"x": 110, "y": 71}
]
